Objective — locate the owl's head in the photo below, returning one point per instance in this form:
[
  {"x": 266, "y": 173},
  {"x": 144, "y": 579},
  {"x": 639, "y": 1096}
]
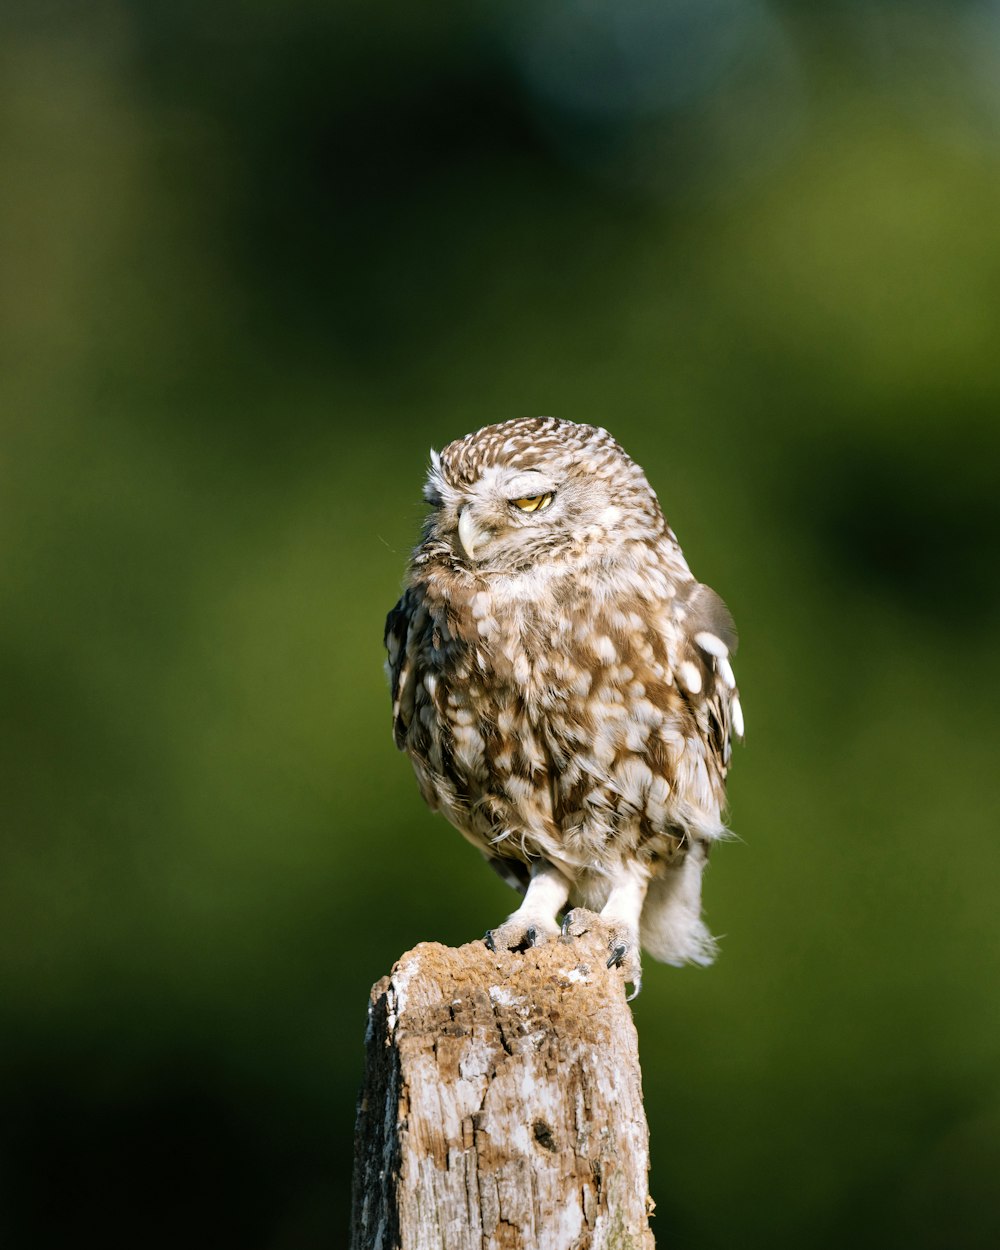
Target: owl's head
[{"x": 513, "y": 494}]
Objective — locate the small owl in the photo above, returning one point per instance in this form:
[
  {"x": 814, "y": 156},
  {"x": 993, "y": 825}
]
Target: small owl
[{"x": 563, "y": 687}]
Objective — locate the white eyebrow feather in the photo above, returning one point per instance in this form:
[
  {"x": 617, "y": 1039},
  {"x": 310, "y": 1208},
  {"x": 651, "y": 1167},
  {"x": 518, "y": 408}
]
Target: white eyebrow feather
[{"x": 531, "y": 482}]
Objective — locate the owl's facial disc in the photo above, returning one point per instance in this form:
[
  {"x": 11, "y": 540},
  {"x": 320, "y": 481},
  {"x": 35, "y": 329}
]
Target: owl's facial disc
[{"x": 501, "y": 505}]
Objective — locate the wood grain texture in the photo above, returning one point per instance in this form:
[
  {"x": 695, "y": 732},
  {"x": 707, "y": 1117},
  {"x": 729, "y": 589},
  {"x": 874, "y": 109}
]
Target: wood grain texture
[{"x": 502, "y": 1105}]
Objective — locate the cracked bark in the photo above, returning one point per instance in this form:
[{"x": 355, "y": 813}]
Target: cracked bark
[{"x": 502, "y": 1105}]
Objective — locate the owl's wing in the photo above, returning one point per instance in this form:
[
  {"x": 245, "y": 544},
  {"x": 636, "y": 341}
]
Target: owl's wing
[
  {"x": 399, "y": 664},
  {"x": 403, "y": 628},
  {"x": 703, "y": 671}
]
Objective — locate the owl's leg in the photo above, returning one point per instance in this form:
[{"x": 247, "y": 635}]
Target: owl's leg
[
  {"x": 618, "y": 922},
  {"x": 534, "y": 921}
]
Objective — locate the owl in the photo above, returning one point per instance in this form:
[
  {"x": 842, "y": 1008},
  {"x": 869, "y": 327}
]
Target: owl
[{"x": 563, "y": 688}]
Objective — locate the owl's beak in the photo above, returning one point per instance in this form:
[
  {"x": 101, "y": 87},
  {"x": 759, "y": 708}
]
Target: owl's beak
[{"x": 469, "y": 534}]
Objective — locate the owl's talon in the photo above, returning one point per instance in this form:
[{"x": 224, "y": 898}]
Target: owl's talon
[
  {"x": 580, "y": 921},
  {"x": 622, "y": 943},
  {"x": 514, "y": 935},
  {"x": 625, "y": 955},
  {"x": 617, "y": 956}
]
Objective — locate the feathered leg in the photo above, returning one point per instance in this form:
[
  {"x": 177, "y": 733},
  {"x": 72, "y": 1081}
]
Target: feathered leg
[
  {"x": 534, "y": 921},
  {"x": 618, "y": 921}
]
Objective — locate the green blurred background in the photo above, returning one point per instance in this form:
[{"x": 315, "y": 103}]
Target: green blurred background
[{"x": 257, "y": 259}]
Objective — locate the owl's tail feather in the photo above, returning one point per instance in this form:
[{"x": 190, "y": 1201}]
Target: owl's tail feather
[{"x": 671, "y": 928}]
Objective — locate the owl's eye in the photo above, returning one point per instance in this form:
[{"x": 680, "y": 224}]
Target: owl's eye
[{"x": 533, "y": 503}]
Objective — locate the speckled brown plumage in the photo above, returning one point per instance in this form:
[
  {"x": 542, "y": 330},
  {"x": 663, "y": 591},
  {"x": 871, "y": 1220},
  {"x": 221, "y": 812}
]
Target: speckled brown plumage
[{"x": 563, "y": 687}]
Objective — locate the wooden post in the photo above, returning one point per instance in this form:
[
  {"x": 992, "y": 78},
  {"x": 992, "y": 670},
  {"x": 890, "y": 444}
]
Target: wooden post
[{"x": 502, "y": 1105}]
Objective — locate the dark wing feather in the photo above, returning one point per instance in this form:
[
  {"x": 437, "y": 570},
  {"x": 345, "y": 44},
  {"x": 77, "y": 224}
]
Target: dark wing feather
[
  {"x": 511, "y": 871},
  {"x": 399, "y": 664}
]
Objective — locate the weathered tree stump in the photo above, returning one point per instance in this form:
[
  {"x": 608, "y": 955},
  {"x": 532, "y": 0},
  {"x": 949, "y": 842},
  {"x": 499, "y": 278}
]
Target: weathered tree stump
[{"x": 502, "y": 1105}]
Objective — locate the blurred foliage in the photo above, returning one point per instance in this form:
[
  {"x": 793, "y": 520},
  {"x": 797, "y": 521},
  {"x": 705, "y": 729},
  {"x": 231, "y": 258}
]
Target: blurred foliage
[{"x": 256, "y": 260}]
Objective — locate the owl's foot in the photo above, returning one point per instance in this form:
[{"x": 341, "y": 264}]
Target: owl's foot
[
  {"x": 621, "y": 940},
  {"x": 519, "y": 934}
]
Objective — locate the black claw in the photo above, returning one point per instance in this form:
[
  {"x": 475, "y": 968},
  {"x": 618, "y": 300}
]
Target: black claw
[
  {"x": 488, "y": 939},
  {"x": 530, "y": 935},
  {"x": 617, "y": 956}
]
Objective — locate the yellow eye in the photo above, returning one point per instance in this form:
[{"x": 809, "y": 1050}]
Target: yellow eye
[{"x": 533, "y": 503}]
